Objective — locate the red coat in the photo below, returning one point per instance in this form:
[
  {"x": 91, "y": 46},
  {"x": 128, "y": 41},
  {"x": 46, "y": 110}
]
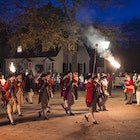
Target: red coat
[
  {"x": 89, "y": 92},
  {"x": 51, "y": 82},
  {"x": 21, "y": 85},
  {"x": 127, "y": 85},
  {"x": 6, "y": 89}
]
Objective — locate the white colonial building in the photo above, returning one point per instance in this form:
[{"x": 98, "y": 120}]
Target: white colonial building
[{"x": 50, "y": 61}]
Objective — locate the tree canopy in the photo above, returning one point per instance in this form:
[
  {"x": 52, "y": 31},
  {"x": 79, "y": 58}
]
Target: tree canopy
[{"x": 37, "y": 23}]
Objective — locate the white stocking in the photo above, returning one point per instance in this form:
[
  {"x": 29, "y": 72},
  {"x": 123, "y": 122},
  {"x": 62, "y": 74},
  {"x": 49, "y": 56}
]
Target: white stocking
[
  {"x": 66, "y": 103},
  {"x": 92, "y": 116},
  {"x": 18, "y": 109},
  {"x": 44, "y": 112},
  {"x": 10, "y": 117}
]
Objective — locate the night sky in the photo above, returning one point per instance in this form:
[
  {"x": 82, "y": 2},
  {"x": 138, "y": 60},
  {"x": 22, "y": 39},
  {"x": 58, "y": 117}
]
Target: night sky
[{"x": 112, "y": 15}]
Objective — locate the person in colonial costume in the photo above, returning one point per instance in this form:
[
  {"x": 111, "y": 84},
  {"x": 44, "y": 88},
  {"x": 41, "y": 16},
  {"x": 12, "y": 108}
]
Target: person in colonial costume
[
  {"x": 10, "y": 88},
  {"x": 75, "y": 84},
  {"x": 129, "y": 89},
  {"x": 67, "y": 93},
  {"x": 45, "y": 94},
  {"x": 90, "y": 102},
  {"x": 50, "y": 91},
  {"x": 105, "y": 94},
  {"x": 30, "y": 87},
  {"x": 39, "y": 81},
  {"x": 19, "y": 94}
]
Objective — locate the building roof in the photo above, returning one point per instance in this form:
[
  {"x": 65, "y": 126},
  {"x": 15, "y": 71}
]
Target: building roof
[{"x": 49, "y": 54}]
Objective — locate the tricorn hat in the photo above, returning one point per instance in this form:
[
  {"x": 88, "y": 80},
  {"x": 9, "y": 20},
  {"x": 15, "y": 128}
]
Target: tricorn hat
[
  {"x": 103, "y": 75},
  {"x": 88, "y": 77}
]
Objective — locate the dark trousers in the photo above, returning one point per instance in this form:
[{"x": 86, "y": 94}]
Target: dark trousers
[
  {"x": 95, "y": 100},
  {"x": 129, "y": 97},
  {"x": 76, "y": 92}
]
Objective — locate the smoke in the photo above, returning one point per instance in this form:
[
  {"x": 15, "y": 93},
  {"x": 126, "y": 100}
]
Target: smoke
[{"x": 96, "y": 40}]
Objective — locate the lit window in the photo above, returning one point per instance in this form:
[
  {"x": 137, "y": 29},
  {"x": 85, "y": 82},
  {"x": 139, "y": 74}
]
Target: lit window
[{"x": 19, "y": 49}]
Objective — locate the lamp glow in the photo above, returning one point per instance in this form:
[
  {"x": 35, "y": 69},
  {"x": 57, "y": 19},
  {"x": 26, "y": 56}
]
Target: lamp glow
[
  {"x": 105, "y": 44},
  {"x": 12, "y": 67},
  {"x": 19, "y": 49}
]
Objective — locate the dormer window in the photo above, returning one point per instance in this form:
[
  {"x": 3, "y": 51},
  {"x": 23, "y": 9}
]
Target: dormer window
[
  {"x": 45, "y": 48},
  {"x": 19, "y": 49}
]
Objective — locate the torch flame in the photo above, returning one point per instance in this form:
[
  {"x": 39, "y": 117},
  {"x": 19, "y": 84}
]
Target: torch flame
[
  {"x": 12, "y": 67},
  {"x": 114, "y": 62}
]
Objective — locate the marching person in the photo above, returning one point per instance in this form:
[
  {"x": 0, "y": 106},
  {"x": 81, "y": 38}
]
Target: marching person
[
  {"x": 90, "y": 102},
  {"x": 10, "y": 88},
  {"x": 44, "y": 95},
  {"x": 99, "y": 91},
  {"x": 67, "y": 93},
  {"x": 38, "y": 83},
  {"x": 105, "y": 94},
  {"x": 75, "y": 85},
  {"x": 19, "y": 94},
  {"x": 50, "y": 91},
  {"x": 97, "y": 94},
  {"x": 30, "y": 87}
]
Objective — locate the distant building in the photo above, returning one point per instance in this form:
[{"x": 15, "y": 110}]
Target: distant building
[{"x": 49, "y": 61}]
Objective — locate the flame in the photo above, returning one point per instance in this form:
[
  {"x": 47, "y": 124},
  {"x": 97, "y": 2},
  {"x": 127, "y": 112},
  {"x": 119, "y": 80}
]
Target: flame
[
  {"x": 12, "y": 67},
  {"x": 114, "y": 62}
]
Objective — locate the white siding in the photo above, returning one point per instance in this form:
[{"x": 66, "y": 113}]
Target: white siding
[{"x": 29, "y": 64}]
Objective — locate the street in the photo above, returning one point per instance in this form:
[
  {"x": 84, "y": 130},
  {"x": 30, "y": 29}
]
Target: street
[{"x": 120, "y": 122}]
